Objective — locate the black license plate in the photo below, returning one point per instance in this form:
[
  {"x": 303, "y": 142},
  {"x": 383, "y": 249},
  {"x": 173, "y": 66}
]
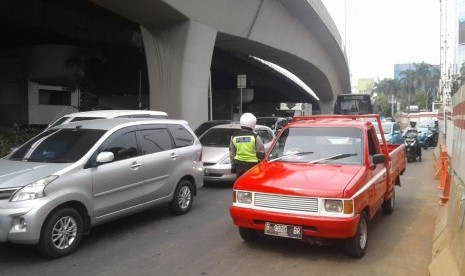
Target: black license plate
[{"x": 282, "y": 230}]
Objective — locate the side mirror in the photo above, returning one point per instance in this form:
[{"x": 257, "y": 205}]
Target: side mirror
[
  {"x": 379, "y": 159},
  {"x": 105, "y": 157}
]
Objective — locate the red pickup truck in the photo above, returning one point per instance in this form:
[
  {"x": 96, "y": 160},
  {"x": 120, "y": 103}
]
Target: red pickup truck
[{"x": 324, "y": 178}]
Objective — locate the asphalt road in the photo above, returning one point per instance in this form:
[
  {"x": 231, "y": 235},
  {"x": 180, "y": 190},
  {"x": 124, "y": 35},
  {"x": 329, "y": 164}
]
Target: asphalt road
[{"x": 205, "y": 242}]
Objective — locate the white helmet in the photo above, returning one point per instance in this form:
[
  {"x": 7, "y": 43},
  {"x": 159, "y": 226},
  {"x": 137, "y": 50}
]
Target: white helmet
[{"x": 248, "y": 120}]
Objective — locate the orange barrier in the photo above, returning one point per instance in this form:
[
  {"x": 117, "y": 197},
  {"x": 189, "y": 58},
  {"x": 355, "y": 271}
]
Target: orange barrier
[
  {"x": 438, "y": 168},
  {"x": 445, "y": 176},
  {"x": 442, "y": 165}
]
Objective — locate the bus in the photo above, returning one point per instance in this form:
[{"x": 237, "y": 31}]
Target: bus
[{"x": 353, "y": 104}]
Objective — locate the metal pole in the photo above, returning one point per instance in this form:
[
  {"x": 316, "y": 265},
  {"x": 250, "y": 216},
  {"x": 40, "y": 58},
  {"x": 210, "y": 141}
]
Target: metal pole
[
  {"x": 140, "y": 89},
  {"x": 210, "y": 96},
  {"x": 240, "y": 110}
]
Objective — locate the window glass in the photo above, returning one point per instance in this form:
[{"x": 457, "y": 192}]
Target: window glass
[
  {"x": 218, "y": 137},
  {"x": 318, "y": 144},
  {"x": 155, "y": 140},
  {"x": 264, "y": 135},
  {"x": 123, "y": 145},
  {"x": 182, "y": 137},
  {"x": 58, "y": 145},
  {"x": 371, "y": 143}
]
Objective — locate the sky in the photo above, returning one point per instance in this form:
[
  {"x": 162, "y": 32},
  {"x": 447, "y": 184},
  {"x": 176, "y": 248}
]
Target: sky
[{"x": 381, "y": 33}]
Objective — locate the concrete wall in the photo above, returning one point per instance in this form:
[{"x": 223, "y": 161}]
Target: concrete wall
[
  {"x": 21, "y": 73},
  {"x": 449, "y": 238}
]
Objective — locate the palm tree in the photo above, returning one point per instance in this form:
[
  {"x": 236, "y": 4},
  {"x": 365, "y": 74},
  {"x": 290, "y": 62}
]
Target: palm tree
[
  {"x": 409, "y": 82},
  {"x": 433, "y": 85}
]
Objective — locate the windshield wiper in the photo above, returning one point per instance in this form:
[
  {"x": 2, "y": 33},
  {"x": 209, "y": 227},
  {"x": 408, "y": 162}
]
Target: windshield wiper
[
  {"x": 334, "y": 157},
  {"x": 291, "y": 154}
]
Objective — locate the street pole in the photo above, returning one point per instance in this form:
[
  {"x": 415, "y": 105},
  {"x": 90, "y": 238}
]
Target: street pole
[
  {"x": 241, "y": 83},
  {"x": 240, "y": 110}
]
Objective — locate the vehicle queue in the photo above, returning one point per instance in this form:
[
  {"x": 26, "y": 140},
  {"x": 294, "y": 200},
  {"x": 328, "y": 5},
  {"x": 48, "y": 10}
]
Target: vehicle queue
[{"x": 65, "y": 181}]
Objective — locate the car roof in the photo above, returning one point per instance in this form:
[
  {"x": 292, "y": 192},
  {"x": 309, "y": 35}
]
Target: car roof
[
  {"x": 346, "y": 122},
  {"x": 106, "y": 124},
  {"x": 113, "y": 113}
]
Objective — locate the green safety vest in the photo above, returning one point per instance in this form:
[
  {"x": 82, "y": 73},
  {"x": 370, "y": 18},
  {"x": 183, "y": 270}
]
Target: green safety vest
[{"x": 245, "y": 147}]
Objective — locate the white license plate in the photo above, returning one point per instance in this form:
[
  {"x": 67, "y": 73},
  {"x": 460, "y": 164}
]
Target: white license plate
[{"x": 282, "y": 230}]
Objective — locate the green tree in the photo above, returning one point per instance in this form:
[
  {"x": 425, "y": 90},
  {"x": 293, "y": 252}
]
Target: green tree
[
  {"x": 87, "y": 64},
  {"x": 409, "y": 81},
  {"x": 381, "y": 105}
]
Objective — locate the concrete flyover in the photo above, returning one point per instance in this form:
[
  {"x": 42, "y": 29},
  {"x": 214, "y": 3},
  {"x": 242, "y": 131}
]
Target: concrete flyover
[{"x": 180, "y": 37}]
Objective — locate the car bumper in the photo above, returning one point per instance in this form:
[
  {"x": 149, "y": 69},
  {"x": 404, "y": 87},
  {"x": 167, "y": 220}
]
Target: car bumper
[
  {"x": 312, "y": 226},
  {"x": 32, "y": 212},
  {"x": 221, "y": 173}
]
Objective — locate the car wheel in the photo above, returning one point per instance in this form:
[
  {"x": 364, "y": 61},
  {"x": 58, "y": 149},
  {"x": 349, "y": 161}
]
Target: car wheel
[
  {"x": 61, "y": 233},
  {"x": 183, "y": 198},
  {"x": 388, "y": 205},
  {"x": 248, "y": 235},
  {"x": 357, "y": 245}
]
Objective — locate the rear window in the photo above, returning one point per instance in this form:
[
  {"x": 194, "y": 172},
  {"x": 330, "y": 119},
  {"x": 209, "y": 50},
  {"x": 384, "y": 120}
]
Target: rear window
[
  {"x": 218, "y": 137},
  {"x": 182, "y": 137},
  {"x": 155, "y": 140}
]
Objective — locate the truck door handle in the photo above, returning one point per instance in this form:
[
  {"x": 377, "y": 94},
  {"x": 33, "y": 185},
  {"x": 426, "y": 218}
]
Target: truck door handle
[
  {"x": 173, "y": 156},
  {"x": 135, "y": 166}
]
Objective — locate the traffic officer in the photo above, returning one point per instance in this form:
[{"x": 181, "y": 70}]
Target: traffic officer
[{"x": 246, "y": 148}]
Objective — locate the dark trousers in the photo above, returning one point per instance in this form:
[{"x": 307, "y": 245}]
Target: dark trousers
[{"x": 242, "y": 167}]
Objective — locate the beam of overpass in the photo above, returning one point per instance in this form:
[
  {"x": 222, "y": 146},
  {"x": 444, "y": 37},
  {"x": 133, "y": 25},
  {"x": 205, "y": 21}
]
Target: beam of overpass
[{"x": 180, "y": 38}]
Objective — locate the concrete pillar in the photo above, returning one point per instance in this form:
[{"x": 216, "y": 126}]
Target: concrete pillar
[{"x": 178, "y": 60}]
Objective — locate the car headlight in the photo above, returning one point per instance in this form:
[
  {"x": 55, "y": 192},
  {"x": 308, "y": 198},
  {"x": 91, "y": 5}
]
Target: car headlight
[
  {"x": 244, "y": 197},
  {"x": 33, "y": 190},
  {"x": 226, "y": 160},
  {"x": 339, "y": 206}
]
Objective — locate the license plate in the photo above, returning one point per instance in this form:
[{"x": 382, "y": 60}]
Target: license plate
[{"x": 282, "y": 230}]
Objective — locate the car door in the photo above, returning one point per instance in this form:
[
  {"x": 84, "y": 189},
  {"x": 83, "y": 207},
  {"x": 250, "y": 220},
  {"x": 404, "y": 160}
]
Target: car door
[
  {"x": 160, "y": 160},
  {"x": 378, "y": 171},
  {"x": 117, "y": 185}
]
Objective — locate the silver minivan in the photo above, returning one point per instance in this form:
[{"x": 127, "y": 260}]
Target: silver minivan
[{"x": 74, "y": 176}]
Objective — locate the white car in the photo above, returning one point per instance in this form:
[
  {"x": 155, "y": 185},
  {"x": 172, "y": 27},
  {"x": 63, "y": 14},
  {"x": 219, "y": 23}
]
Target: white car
[
  {"x": 107, "y": 114},
  {"x": 215, "y": 151}
]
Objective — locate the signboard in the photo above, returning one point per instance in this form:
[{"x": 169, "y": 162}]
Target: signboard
[{"x": 241, "y": 81}]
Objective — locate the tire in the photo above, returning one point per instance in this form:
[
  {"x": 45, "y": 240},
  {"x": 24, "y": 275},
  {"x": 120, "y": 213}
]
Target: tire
[
  {"x": 248, "y": 235},
  {"x": 61, "y": 233},
  {"x": 183, "y": 198},
  {"x": 356, "y": 246},
  {"x": 426, "y": 145},
  {"x": 388, "y": 205}
]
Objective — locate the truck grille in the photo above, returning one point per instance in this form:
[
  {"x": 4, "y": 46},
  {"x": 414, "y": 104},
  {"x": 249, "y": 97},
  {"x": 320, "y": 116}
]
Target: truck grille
[
  {"x": 7, "y": 193},
  {"x": 287, "y": 203}
]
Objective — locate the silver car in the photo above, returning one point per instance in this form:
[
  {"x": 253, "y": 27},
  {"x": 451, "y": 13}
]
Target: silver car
[
  {"x": 72, "y": 177},
  {"x": 215, "y": 153}
]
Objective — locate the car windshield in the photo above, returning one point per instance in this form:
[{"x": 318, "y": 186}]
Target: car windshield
[
  {"x": 318, "y": 144},
  {"x": 218, "y": 137},
  {"x": 386, "y": 128},
  {"x": 58, "y": 146}
]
